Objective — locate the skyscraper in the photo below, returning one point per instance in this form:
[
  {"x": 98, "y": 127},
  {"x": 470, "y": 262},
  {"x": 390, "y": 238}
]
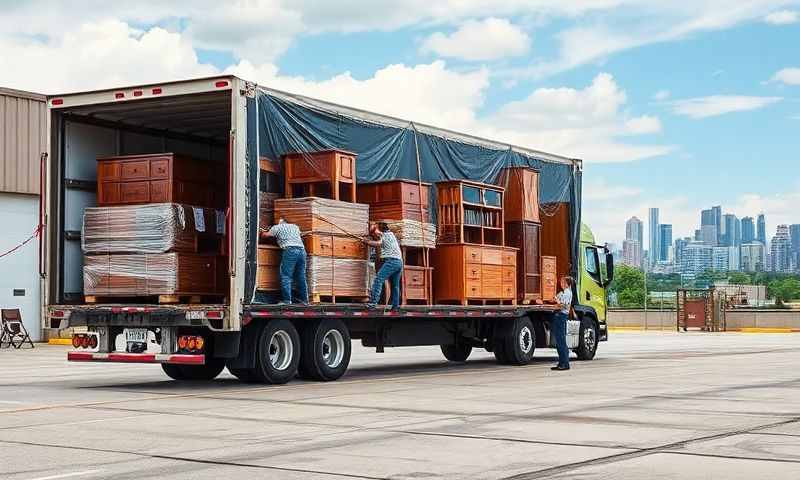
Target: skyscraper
[
  {"x": 709, "y": 228},
  {"x": 725, "y": 259},
  {"x": 779, "y": 250},
  {"x": 664, "y": 241},
  {"x": 696, "y": 258},
  {"x": 753, "y": 257},
  {"x": 634, "y": 242},
  {"x": 717, "y": 212},
  {"x": 761, "y": 229},
  {"x": 731, "y": 231},
  {"x": 653, "y": 253},
  {"x": 794, "y": 235},
  {"x": 680, "y": 244},
  {"x": 748, "y": 230}
]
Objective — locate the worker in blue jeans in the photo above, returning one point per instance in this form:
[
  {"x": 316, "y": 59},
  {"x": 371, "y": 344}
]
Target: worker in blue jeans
[
  {"x": 559, "y": 325},
  {"x": 392, "y": 264},
  {"x": 293, "y": 260}
]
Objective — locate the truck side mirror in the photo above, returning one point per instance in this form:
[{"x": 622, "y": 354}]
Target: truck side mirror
[{"x": 609, "y": 268}]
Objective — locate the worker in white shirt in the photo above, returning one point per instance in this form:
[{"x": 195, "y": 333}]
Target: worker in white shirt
[
  {"x": 293, "y": 260},
  {"x": 559, "y": 326},
  {"x": 392, "y": 264}
]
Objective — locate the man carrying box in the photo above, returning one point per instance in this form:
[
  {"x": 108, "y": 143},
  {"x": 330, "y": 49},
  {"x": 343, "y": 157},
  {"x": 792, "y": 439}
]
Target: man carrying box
[{"x": 293, "y": 260}]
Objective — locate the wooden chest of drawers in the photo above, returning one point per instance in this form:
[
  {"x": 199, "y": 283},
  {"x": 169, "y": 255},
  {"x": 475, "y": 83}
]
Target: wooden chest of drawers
[
  {"x": 549, "y": 279},
  {"x": 326, "y": 174},
  {"x": 268, "y": 274},
  {"x": 159, "y": 178},
  {"x": 396, "y": 200},
  {"x": 416, "y": 284},
  {"x": 325, "y": 245},
  {"x": 464, "y": 273}
]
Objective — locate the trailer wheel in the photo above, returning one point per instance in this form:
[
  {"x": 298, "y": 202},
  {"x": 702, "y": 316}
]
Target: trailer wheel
[
  {"x": 587, "y": 340},
  {"x": 208, "y": 371},
  {"x": 326, "y": 350},
  {"x": 515, "y": 341},
  {"x": 456, "y": 352},
  {"x": 277, "y": 353}
]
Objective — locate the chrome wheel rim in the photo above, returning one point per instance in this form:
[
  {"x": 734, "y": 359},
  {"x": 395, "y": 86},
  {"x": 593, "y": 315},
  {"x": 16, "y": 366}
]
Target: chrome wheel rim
[
  {"x": 589, "y": 338},
  {"x": 333, "y": 348},
  {"x": 281, "y": 350},
  {"x": 525, "y": 340}
]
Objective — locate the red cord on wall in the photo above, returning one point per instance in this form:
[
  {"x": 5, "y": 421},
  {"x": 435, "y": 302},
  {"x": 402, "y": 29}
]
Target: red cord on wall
[{"x": 35, "y": 234}]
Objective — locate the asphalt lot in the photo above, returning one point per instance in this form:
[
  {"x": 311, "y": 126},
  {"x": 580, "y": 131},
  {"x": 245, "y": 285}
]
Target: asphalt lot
[{"x": 651, "y": 406}]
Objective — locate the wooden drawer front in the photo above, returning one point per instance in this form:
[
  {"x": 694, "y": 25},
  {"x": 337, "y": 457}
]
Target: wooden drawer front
[
  {"x": 159, "y": 168},
  {"x": 509, "y": 257},
  {"x": 134, "y": 192},
  {"x": 108, "y": 171},
  {"x": 492, "y": 291},
  {"x": 492, "y": 257},
  {"x": 135, "y": 170},
  {"x": 473, "y": 271},
  {"x": 414, "y": 278},
  {"x": 549, "y": 265},
  {"x": 549, "y": 286},
  {"x": 346, "y": 164},
  {"x": 416, "y": 293},
  {"x": 306, "y": 167},
  {"x": 108, "y": 193},
  {"x": 346, "y": 247},
  {"x": 473, "y": 254},
  {"x": 159, "y": 191},
  {"x": 509, "y": 275},
  {"x": 509, "y": 291},
  {"x": 413, "y": 195},
  {"x": 269, "y": 256},
  {"x": 268, "y": 278},
  {"x": 491, "y": 281},
  {"x": 473, "y": 288}
]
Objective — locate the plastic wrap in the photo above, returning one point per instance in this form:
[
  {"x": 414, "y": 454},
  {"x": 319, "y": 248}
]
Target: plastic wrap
[
  {"x": 321, "y": 215},
  {"x": 135, "y": 275},
  {"x": 411, "y": 233},
  {"x": 345, "y": 277},
  {"x": 154, "y": 228}
]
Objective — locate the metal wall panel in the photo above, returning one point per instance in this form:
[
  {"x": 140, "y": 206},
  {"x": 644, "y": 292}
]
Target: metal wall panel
[{"x": 22, "y": 140}]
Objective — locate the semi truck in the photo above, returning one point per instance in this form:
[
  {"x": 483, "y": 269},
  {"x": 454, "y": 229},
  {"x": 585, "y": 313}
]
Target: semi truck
[{"x": 235, "y": 123}]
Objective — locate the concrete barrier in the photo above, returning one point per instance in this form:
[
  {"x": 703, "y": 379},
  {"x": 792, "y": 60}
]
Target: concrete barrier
[{"x": 736, "y": 320}]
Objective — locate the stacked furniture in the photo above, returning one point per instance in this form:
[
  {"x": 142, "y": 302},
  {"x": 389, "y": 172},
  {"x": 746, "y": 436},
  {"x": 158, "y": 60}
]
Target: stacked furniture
[
  {"x": 471, "y": 263},
  {"x": 523, "y": 229},
  {"x": 549, "y": 278},
  {"x": 403, "y": 206},
  {"x": 326, "y": 174}
]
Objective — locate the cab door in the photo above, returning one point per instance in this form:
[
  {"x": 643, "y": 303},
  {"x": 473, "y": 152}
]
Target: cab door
[{"x": 594, "y": 278}]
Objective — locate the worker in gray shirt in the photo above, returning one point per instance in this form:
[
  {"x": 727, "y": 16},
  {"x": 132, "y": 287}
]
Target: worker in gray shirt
[
  {"x": 293, "y": 260},
  {"x": 558, "y": 327},
  {"x": 392, "y": 264}
]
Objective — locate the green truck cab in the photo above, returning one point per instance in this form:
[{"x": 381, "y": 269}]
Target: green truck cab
[{"x": 596, "y": 271}]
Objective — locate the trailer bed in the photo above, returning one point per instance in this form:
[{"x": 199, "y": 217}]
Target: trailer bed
[{"x": 359, "y": 310}]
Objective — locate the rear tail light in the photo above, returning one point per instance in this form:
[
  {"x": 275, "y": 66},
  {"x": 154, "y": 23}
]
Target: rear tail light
[
  {"x": 93, "y": 341},
  {"x": 156, "y": 91},
  {"x": 119, "y": 95},
  {"x": 85, "y": 340},
  {"x": 221, "y": 84},
  {"x": 76, "y": 341},
  {"x": 137, "y": 93},
  {"x": 57, "y": 101},
  {"x": 191, "y": 343}
]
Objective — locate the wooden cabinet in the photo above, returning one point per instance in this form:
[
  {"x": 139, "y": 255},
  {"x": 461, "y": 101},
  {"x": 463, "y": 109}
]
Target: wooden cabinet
[
  {"x": 556, "y": 236},
  {"x": 268, "y": 274},
  {"x": 159, "y": 178},
  {"x": 549, "y": 278},
  {"x": 396, "y": 200},
  {"x": 416, "y": 286},
  {"x": 469, "y": 212},
  {"x": 327, "y": 174},
  {"x": 526, "y": 237},
  {"x": 521, "y": 200},
  {"x": 466, "y": 274}
]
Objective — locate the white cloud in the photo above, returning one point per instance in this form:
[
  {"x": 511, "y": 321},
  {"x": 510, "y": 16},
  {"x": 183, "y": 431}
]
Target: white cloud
[
  {"x": 789, "y": 76},
  {"x": 643, "y": 125},
  {"x": 661, "y": 95},
  {"x": 599, "y": 189},
  {"x": 490, "y": 39},
  {"x": 714, "y": 105},
  {"x": 782, "y": 17}
]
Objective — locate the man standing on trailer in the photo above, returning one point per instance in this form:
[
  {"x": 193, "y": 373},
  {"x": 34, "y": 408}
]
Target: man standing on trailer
[
  {"x": 392, "y": 264},
  {"x": 559, "y": 326},
  {"x": 293, "y": 260}
]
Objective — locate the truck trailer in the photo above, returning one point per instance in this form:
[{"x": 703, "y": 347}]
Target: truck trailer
[{"x": 234, "y": 123}]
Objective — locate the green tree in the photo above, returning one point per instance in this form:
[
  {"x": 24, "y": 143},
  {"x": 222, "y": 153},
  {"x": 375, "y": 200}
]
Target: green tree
[
  {"x": 628, "y": 285},
  {"x": 739, "y": 278},
  {"x": 784, "y": 290}
]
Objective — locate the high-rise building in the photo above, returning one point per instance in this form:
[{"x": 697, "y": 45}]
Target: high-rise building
[
  {"x": 731, "y": 231},
  {"x": 717, "y": 220},
  {"x": 680, "y": 244},
  {"x": 780, "y": 249},
  {"x": 696, "y": 258},
  {"x": 634, "y": 232},
  {"x": 653, "y": 252},
  {"x": 708, "y": 235},
  {"x": 794, "y": 235},
  {"x": 753, "y": 257},
  {"x": 725, "y": 259},
  {"x": 664, "y": 241},
  {"x": 748, "y": 230},
  {"x": 761, "y": 229},
  {"x": 632, "y": 253},
  {"x": 709, "y": 228},
  {"x": 698, "y": 235}
]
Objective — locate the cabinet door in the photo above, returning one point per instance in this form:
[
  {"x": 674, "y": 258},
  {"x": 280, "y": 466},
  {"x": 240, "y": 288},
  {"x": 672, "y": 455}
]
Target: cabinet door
[
  {"x": 159, "y": 191},
  {"x": 108, "y": 193},
  {"x": 108, "y": 170},
  {"x": 159, "y": 168},
  {"x": 346, "y": 166},
  {"x": 531, "y": 248}
]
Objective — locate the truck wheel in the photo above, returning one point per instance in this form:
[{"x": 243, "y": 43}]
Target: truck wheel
[
  {"x": 277, "y": 353},
  {"x": 587, "y": 340},
  {"x": 326, "y": 350},
  {"x": 515, "y": 341},
  {"x": 208, "y": 371},
  {"x": 456, "y": 352}
]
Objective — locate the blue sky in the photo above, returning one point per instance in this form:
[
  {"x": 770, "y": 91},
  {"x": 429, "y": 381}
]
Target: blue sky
[{"x": 676, "y": 105}]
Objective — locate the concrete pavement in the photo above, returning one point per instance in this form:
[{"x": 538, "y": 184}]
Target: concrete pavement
[{"x": 652, "y": 405}]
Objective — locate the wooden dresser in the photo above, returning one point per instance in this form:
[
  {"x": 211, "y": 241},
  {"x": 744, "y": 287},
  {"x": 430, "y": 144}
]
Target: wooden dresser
[
  {"x": 467, "y": 273},
  {"x": 396, "y": 200},
  {"x": 327, "y": 174},
  {"x": 159, "y": 178},
  {"x": 549, "y": 279}
]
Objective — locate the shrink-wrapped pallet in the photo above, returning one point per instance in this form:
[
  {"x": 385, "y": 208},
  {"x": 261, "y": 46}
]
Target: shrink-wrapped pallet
[
  {"x": 136, "y": 275},
  {"x": 321, "y": 215},
  {"x": 411, "y": 233},
  {"x": 345, "y": 277},
  {"x": 154, "y": 228}
]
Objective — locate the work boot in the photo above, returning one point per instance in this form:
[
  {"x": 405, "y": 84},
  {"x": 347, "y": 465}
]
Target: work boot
[{"x": 559, "y": 368}]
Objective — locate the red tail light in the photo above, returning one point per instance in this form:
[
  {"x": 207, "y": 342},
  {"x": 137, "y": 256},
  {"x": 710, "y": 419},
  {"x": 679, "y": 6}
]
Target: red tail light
[
  {"x": 92, "y": 341},
  {"x": 221, "y": 84},
  {"x": 182, "y": 341},
  {"x": 85, "y": 341},
  {"x": 119, "y": 95},
  {"x": 199, "y": 343},
  {"x": 191, "y": 343},
  {"x": 137, "y": 93},
  {"x": 57, "y": 101},
  {"x": 156, "y": 91},
  {"x": 76, "y": 341}
]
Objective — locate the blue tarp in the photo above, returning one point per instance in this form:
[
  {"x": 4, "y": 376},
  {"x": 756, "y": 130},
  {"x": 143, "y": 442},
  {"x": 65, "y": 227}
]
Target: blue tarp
[{"x": 388, "y": 148}]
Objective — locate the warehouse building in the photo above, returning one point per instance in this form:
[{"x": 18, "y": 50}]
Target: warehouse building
[{"x": 22, "y": 141}]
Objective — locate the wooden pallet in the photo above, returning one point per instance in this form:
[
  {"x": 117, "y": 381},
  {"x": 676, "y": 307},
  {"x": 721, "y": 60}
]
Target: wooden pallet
[
  {"x": 155, "y": 299},
  {"x": 338, "y": 299}
]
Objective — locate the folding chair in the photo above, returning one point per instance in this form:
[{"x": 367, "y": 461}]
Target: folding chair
[{"x": 14, "y": 332}]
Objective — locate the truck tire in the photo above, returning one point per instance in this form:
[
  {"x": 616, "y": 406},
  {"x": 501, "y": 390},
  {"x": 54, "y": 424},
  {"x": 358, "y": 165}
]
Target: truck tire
[
  {"x": 208, "y": 371},
  {"x": 277, "y": 353},
  {"x": 326, "y": 350},
  {"x": 514, "y": 341},
  {"x": 456, "y": 352},
  {"x": 587, "y": 339}
]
